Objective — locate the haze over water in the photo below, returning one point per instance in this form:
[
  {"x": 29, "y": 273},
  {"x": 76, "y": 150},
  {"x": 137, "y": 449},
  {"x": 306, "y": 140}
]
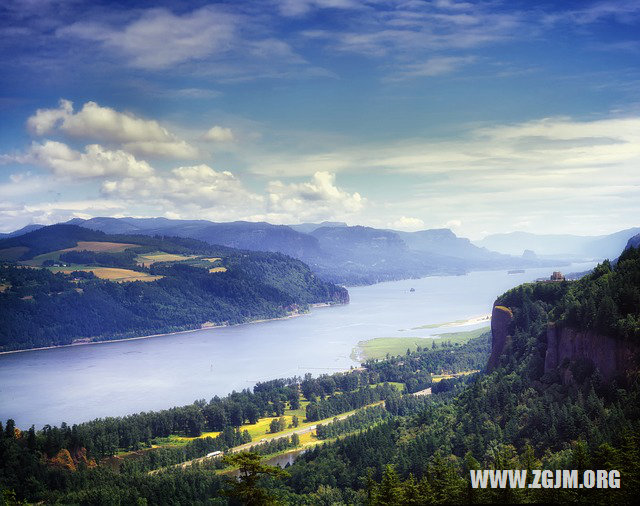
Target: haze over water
[{"x": 80, "y": 383}]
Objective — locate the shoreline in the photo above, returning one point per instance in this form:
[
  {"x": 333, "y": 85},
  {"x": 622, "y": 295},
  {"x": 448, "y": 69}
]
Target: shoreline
[
  {"x": 470, "y": 321},
  {"x": 203, "y": 327}
]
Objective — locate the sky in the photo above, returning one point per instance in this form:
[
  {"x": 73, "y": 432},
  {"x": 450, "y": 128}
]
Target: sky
[{"x": 483, "y": 117}]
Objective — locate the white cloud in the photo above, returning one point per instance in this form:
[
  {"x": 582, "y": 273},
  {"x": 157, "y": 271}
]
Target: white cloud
[
  {"x": 219, "y": 134},
  {"x": 23, "y": 184},
  {"x": 408, "y": 223},
  {"x": 15, "y": 216},
  {"x": 155, "y": 149},
  {"x": 96, "y": 161},
  {"x": 196, "y": 187},
  {"x": 141, "y": 136},
  {"x": 432, "y": 67},
  {"x": 554, "y": 171},
  {"x": 317, "y": 199},
  {"x": 160, "y": 38}
]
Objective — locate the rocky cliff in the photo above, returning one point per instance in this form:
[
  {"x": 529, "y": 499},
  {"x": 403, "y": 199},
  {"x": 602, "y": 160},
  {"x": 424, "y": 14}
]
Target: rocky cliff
[
  {"x": 501, "y": 317},
  {"x": 613, "y": 357}
]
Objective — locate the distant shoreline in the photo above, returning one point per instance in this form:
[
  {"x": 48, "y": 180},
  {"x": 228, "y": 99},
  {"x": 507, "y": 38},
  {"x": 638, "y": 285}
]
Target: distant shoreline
[{"x": 203, "y": 327}]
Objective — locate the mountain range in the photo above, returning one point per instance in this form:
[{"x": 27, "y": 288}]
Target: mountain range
[
  {"x": 351, "y": 255},
  {"x": 563, "y": 246}
]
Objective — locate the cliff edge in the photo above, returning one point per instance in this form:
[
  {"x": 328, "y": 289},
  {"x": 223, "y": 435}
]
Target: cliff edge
[
  {"x": 501, "y": 317},
  {"x": 612, "y": 357}
]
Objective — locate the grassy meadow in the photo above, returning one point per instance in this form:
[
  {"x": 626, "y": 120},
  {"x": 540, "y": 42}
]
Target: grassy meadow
[{"x": 379, "y": 347}]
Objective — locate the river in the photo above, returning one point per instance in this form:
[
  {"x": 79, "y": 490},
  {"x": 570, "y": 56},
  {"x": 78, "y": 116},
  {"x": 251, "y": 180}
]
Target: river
[{"x": 79, "y": 383}]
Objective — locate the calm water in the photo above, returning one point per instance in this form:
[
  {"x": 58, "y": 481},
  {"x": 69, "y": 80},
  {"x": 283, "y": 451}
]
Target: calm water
[{"x": 84, "y": 382}]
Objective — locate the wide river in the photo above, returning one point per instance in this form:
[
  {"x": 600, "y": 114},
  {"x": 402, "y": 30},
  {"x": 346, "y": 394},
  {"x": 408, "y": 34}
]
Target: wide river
[{"x": 80, "y": 383}]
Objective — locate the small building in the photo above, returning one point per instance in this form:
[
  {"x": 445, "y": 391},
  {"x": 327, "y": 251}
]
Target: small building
[
  {"x": 214, "y": 454},
  {"x": 557, "y": 276}
]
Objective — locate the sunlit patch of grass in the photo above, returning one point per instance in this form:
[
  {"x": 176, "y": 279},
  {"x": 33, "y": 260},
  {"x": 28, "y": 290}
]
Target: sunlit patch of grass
[
  {"x": 439, "y": 377},
  {"x": 379, "y": 347},
  {"x": 161, "y": 256},
  {"x": 109, "y": 273}
]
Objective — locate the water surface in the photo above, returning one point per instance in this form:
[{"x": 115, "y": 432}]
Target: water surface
[{"x": 80, "y": 383}]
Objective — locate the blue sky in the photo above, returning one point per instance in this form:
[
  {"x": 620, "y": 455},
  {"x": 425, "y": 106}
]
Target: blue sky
[{"x": 483, "y": 117}]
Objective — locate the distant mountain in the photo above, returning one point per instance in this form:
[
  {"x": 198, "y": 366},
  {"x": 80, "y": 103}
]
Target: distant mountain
[
  {"x": 307, "y": 228},
  {"x": 337, "y": 252},
  {"x": 444, "y": 242},
  {"x": 634, "y": 242},
  {"x": 23, "y": 230},
  {"x": 559, "y": 245}
]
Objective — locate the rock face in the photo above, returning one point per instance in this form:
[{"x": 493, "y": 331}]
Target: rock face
[
  {"x": 500, "y": 319},
  {"x": 613, "y": 357}
]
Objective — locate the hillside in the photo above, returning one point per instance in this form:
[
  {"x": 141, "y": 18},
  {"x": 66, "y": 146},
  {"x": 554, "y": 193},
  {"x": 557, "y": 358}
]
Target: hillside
[
  {"x": 522, "y": 412},
  {"x": 341, "y": 254},
  {"x": 525, "y": 411},
  {"x": 634, "y": 242},
  {"x": 66, "y": 284}
]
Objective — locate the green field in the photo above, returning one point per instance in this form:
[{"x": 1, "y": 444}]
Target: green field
[
  {"x": 160, "y": 256},
  {"x": 379, "y": 347}
]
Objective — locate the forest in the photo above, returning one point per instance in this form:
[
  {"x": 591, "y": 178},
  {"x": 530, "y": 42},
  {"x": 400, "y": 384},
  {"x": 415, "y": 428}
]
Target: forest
[
  {"x": 41, "y": 308},
  {"x": 410, "y": 450}
]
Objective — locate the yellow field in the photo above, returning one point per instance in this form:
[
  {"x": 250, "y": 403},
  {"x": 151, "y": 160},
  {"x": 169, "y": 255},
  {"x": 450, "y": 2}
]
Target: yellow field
[
  {"x": 101, "y": 247},
  {"x": 204, "y": 434},
  {"x": 160, "y": 256},
  {"x": 217, "y": 269},
  {"x": 439, "y": 377},
  {"x": 113, "y": 274},
  {"x": 212, "y": 259}
]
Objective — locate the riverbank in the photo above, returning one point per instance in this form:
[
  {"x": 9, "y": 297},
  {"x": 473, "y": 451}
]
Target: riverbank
[
  {"x": 205, "y": 326},
  {"x": 380, "y": 347}
]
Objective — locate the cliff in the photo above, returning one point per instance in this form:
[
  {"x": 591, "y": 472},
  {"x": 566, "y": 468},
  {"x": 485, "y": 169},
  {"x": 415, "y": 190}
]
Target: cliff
[
  {"x": 613, "y": 357},
  {"x": 501, "y": 317},
  {"x": 566, "y": 347}
]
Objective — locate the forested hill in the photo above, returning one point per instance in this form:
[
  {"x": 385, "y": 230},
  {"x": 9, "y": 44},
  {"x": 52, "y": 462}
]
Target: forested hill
[
  {"x": 63, "y": 283},
  {"x": 518, "y": 415}
]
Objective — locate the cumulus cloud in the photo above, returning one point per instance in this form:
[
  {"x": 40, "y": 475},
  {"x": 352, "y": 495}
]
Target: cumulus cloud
[
  {"x": 14, "y": 216},
  {"x": 197, "y": 186},
  {"x": 219, "y": 134},
  {"x": 408, "y": 223},
  {"x": 317, "y": 199},
  {"x": 137, "y": 135},
  {"x": 94, "y": 162}
]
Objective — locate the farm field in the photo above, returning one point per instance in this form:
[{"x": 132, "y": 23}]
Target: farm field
[
  {"x": 98, "y": 247},
  {"x": 379, "y": 347},
  {"x": 213, "y": 270},
  {"x": 109, "y": 273},
  {"x": 161, "y": 256}
]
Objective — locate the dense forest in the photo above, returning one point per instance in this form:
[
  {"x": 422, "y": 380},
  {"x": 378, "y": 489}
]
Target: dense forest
[
  {"x": 42, "y": 308},
  {"x": 409, "y": 450}
]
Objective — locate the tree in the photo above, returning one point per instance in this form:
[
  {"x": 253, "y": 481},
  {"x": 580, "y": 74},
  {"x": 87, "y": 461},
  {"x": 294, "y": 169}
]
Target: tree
[
  {"x": 246, "y": 490},
  {"x": 294, "y": 421},
  {"x": 390, "y": 489},
  {"x": 295, "y": 439}
]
